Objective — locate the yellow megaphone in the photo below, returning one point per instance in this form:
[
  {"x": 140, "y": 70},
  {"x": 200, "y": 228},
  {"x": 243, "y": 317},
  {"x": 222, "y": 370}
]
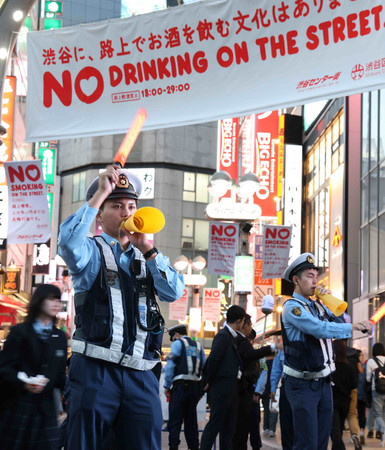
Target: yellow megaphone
[
  {"x": 336, "y": 306},
  {"x": 145, "y": 220}
]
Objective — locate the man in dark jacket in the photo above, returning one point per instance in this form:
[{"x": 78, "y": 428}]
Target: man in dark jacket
[{"x": 223, "y": 371}]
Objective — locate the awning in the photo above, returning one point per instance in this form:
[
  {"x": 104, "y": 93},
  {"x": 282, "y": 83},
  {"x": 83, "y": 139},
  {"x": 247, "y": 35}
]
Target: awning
[{"x": 11, "y": 303}]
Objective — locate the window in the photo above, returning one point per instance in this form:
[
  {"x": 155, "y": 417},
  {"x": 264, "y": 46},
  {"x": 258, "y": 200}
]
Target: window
[
  {"x": 195, "y": 234},
  {"x": 373, "y": 129},
  {"x": 195, "y": 187},
  {"x": 79, "y": 187},
  {"x": 365, "y": 134}
]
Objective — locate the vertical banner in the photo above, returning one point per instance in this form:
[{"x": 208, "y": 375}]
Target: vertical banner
[
  {"x": 276, "y": 249},
  {"x": 178, "y": 309},
  {"x": 244, "y": 274},
  {"x": 223, "y": 245},
  {"x": 211, "y": 304},
  {"x": 293, "y": 196},
  {"x": 29, "y": 218},
  {"x": 3, "y": 216},
  {"x": 262, "y": 286},
  {"x": 41, "y": 258},
  {"x": 7, "y": 120},
  {"x": 248, "y": 142},
  {"x": 266, "y": 161},
  {"x": 228, "y": 135},
  {"x": 47, "y": 157}
]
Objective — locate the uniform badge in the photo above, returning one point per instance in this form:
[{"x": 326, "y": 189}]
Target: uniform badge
[
  {"x": 296, "y": 311},
  {"x": 310, "y": 259},
  {"x": 123, "y": 181}
]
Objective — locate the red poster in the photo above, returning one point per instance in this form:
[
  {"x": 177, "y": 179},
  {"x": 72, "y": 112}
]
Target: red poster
[
  {"x": 266, "y": 161},
  {"x": 228, "y": 134}
]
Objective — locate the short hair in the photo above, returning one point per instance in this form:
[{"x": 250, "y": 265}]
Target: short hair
[
  {"x": 252, "y": 334},
  {"x": 301, "y": 271},
  {"x": 247, "y": 319},
  {"x": 42, "y": 292},
  {"x": 378, "y": 349},
  {"x": 235, "y": 313}
]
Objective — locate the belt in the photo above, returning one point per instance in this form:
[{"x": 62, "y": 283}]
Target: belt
[
  {"x": 305, "y": 375},
  {"x": 106, "y": 354}
]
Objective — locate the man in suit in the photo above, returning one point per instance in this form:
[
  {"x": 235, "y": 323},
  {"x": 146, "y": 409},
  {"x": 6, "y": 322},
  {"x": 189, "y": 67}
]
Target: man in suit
[
  {"x": 223, "y": 371},
  {"x": 250, "y": 372}
]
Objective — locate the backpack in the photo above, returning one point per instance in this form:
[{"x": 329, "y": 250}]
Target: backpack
[{"x": 379, "y": 377}]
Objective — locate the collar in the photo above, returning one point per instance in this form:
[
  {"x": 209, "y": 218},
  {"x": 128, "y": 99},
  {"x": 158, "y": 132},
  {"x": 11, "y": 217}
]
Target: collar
[
  {"x": 300, "y": 297},
  {"x": 40, "y": 328},
  {"x": 240, "y": 332},
  {"x": 233, "y": 333},
  {"x": 115, "y": 244}
]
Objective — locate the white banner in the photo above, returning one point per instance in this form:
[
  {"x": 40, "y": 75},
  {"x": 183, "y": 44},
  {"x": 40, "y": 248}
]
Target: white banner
[
  {"x": 178, "y": 309},
  {"x": 200, "y": 62},
  {"x": 276, "y": 249},
  {"x": 223, "y": 244},
  {"x": 211, "y": 304},
  {"x": 28, "y": 213}
]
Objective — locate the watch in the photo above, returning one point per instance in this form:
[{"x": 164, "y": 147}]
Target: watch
[{"x": 149, "y": 253}]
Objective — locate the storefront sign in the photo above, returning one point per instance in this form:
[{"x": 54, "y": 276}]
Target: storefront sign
[
  {"x": 10, "y": 281},
  {"x": 48, "y": 162},
  {"x": 29, "y": 220},
  {"x": 244, "y": 274},
  {"x": 276, "y": 248},
  {"x": 228, "y": 136},
  {"x": 223, "y": 244},
  {"x": 41, "y": 258},
  {"x": 262, "y": 286}
]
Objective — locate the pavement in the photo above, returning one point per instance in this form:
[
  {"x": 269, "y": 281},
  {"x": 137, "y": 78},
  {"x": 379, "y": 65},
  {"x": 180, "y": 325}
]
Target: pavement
[{"x": 270, "y": 442}]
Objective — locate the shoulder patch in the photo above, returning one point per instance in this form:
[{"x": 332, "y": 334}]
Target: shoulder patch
[{"x": 296, "y": 311}]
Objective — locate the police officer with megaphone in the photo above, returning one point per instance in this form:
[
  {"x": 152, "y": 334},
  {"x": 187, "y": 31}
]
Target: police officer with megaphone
[{"x": 111, "y": 387}]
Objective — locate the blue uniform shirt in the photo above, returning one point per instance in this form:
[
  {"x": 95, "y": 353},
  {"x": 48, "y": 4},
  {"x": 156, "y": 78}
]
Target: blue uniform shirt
[
  {"x": 297, "y": 325},
  {"x": 276, "y": 370},
  {"x": 82, "y": 257},
  {"x": 176, "y": 350}
]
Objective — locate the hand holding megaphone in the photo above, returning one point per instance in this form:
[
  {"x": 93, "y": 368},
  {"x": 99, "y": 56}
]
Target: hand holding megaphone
[
  {"x": 336, "y": 306},
  {"x": 145, "y": 220}
]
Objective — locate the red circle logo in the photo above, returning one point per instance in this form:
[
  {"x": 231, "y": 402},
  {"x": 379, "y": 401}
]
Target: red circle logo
[{"x": 357, "y": 72}]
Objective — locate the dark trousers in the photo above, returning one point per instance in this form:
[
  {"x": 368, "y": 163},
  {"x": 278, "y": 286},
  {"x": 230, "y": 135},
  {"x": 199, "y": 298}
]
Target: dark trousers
[
  {"x": 361, "y": 409},
  {"x": 340, "y": 413},
  {"x": 285, "y": 419},
  {"x": 103, "y": 398},
  {"x": 243, "y": 420},
  {"x": 223, "y": 411},
  {"x": 312, "y": 406},
  {"x": 184, "y": 398},
  {"x": 255, "y": 436}
]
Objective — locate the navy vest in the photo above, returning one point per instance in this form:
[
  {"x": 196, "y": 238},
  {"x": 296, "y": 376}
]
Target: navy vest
[
  {"x": 312, "y": 354},
  {"x": 112, "y": 316},
  {"x": 188, "y": 366}
]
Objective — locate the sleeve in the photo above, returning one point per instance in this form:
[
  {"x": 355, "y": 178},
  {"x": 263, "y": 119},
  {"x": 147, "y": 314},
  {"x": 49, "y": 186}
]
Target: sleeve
[
  {"x": 261, "y": 383},
  {"x": 10, "y": 357},
  {"x": 169, "y": 369},
  {"x": 295, "y": 315},
  {"x": 168, "y": 283},
  {"x": 218, "y": 348},
  {"x": 73, "y": 245},
  {"x": 248, "y": 353},
  {"x": 276, "y": 372},
  {"x": 369, "y": 370}
]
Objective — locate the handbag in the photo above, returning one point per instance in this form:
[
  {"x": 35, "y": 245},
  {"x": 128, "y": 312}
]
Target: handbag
[{"x": 274, "y": 406}]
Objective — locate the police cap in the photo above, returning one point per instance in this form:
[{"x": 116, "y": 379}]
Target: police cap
[
  {"x": 304, "y": 261},
  {"x": 180, "y": 328},
  {"x": 128, "y": 186}
]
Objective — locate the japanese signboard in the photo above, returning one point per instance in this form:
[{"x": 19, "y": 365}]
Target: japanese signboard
[
  {"x": 178, "y": 309},
  {"x": 222, "y": 58},
  {"x": 41, "y": 258},
  {"x": 7, "y": 120},
  {"x": 10, "y": 281},
  {"x": 276, "y": 248},
  {"x": 211, "y": 304},
  {"x": 228, "y": 134},
  {"x": 48, "y": 161},
  {"x": 223, "y": 244},
  {"x": 262, "y": 286},
  {"x": 29, "y": 219}
]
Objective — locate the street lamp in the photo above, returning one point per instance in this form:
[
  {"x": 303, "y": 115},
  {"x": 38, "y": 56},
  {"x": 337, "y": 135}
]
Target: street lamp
[
  {"x": 247, "y": 185},
  {"x": 219, "y": 184}
]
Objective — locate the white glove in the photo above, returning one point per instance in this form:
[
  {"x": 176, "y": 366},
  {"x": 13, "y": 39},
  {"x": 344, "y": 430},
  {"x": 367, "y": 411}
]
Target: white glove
[{"x": 365, "y": 326}]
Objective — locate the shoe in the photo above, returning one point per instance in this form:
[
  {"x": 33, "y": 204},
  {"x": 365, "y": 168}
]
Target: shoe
[
  {"x": 356, "y": 442},
  {"x": 362, "y": 438},
  {"x": 378, "y": 435},
  {"x": 370, "y": 435},
  {"x": 271, "y": 433},
  {"x": 266, "y": 432}
]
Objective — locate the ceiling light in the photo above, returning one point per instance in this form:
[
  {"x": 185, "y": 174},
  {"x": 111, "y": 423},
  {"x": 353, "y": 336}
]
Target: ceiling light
[{"x": 18, "y": 15}]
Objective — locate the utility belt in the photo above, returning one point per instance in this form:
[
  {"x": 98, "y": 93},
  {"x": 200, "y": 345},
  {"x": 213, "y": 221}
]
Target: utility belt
[
  {"x": 181, "y": 381},
  {"x": 306, "y": 375},
  {"x": 185, "y": 377},
  {"x": 113, "y": 356}
]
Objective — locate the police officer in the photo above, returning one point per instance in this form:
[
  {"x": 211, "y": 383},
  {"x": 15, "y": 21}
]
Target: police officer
[
  {"x": 182, "y": 384},
  {"x": 307, "y": 330},
  {"x": 111, "y": 387}
]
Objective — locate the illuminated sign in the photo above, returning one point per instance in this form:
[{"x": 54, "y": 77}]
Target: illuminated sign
[
  {"x": 10, "y": 281},
  {"x": 48, "y": 162},
  {"x": 337, "y": 238},
  {"x": 50, "y": 204},
  {"x": 244, "y": 274},
  {"x": 378, "y": 314}
]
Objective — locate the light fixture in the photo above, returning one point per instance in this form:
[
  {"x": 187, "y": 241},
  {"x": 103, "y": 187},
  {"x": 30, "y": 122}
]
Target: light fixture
[
  {"x": 181, "y": 263},
  {"x": 199, "y": 263},
  {"x": 18, "y": 15},
  {"x": 219, "y": 183},
  {"x": 247, "y": 185},
  {"x": 12, "y": 264},
  {"x": 3, "y": 53}
]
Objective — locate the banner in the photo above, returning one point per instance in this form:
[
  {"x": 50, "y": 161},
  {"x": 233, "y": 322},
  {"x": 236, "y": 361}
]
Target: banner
[
  {"x": 223, "y": 245},
  {"x": 7, "y": 120},
  {"x": 41, "y": 258},
  {"x": 262, "y": 286},
  {"x": 28, "y": 213},
  {"x": 222, "y": 58},
  {"x": 211, "y": 304},
  {"x": 178, "y": 309},
  {"x": 276, "y": 249},
  {"x": 228, "y": 135}
]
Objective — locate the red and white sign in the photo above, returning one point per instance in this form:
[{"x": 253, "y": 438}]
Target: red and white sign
[
  {"x": 266, "y": 161},
  {"x": 211, "y": 304},
  {"x": 28, "y": 217},
  {"x": 222, "y": 58},
  {"x": 276, "y": 249},
  {"x": 223, "y": 244},
  {"x": 178, "y": 309},
  {"x": 228, "y": 135},
  {"x": 7, "y": 120}
]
